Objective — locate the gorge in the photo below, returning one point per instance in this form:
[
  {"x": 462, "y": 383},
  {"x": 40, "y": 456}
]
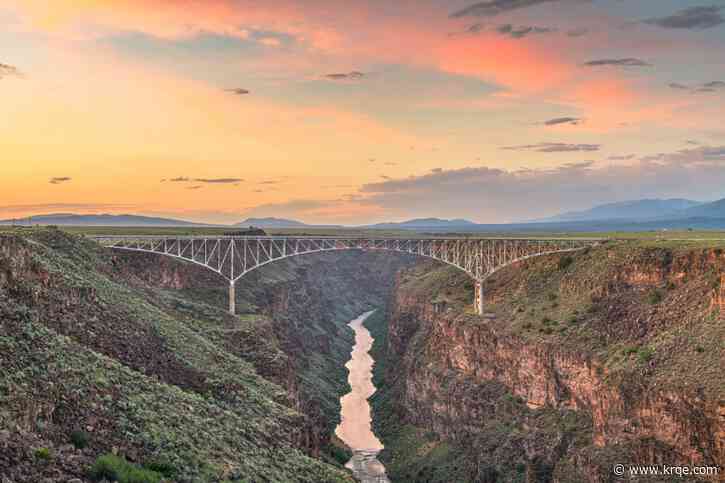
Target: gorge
[{"x": 611, "y": 355}]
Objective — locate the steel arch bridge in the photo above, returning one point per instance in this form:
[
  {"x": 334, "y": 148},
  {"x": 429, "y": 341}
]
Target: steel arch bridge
[{"x": 234, "y": 257}]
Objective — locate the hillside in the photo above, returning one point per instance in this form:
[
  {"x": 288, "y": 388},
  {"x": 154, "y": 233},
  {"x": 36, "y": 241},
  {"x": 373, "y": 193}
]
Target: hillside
[
  {"x": 612, "y": 355},
  {"x": 272, "y": 223},
  {"x": 135, "y": 355}
]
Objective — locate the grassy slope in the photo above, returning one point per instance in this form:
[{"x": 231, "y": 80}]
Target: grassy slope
[
  {"x": 628, "y": 306},
  {"x": 221, "y": 421}
]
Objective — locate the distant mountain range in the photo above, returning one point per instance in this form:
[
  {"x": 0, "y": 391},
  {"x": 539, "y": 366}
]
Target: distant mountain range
[
  {"x": 631, "y": 210},
  {"x": 423, "y": 224},
  {"x": 279, "y": 223},
  {"x": 636, "y": 215},
  {"x": 71, "y": 219}
]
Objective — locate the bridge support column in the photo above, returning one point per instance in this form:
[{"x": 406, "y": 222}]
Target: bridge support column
[
  {"x": 232, "y": 299},
  {"x": 479, "y": 297}
]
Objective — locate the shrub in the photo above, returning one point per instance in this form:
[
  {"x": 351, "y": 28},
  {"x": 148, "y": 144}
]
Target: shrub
[
  {"x": 565, "y": 262},
  {"x": 164, "y": 467},
  {"x": 551, "y": 296},
  {"x": 116, "y": 468},
  {"x": 645, "y": 354},
  {"x": 341, "y": 455},
  {"x": 654, "y": 297},
  {"x": 79, "y": 439},
  {"x": 573, "y": 320},
  {"x": 42, "y": 454},
  {"x": 629, "y": 350},
  {"x": 700, "y": 349}
]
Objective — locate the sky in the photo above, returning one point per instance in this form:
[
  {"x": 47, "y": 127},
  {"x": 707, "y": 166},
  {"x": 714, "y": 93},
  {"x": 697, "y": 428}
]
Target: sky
[{"x": 359, "y": 111}]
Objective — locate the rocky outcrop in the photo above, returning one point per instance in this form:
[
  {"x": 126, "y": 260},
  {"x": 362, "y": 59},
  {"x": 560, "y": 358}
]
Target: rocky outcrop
[{"x": 448, "y": 361}]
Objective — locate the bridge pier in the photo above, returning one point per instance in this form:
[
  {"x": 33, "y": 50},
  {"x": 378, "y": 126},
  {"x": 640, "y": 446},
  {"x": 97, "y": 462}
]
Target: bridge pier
[
  {"x": 232, "y": 298},
  {"x": 479, "y": 297}
]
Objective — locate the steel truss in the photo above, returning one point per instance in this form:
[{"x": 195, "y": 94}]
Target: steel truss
[{"x": 234, "y": 257}]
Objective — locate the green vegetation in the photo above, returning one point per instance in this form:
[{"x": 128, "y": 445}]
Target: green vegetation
[
  {"x": 178, "y": 385},
  {"x": 654, "y": 297},
  {"x": 43, "y": 454},
  {"x": 114, "y": 468},
  {"x": 79, "y": 439}
]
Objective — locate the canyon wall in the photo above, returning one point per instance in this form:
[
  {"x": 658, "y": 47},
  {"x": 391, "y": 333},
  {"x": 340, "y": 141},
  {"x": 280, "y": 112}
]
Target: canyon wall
[
  {"x": 102, "y": 352},
  {"x": 627, "y": 341}
]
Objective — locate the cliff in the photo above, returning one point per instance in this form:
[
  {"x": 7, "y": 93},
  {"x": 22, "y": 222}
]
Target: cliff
[
  {"x": 614, "y": 355},
  {"x": 132, "y": 355}
]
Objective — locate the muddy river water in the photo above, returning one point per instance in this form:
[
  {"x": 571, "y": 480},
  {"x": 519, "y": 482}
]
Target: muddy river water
[{"x": 355, "y": 428}]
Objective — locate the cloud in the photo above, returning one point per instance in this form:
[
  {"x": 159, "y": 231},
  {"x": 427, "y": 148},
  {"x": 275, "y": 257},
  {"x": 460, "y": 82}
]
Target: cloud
[
  {"x": 194, "y": 187},
  {"x": 626, "y": 62},
  {"x": 574, "y": 121},
  {"x": 715, "y": 85},
  {"x": 59, "y": 180},
  {"x": 219, "y": 180},
  {"x": 184, "y": 179},
  {"x": 712, "y": 86},
  {"x": 346, "y": 76},
  {"x": 9, "y": 71},
  {"x": 522, "y": 31},
  {"x": 622, "y": 157},
  {"x": 554, "y": 147},
  {"x": 696, "y": 18},
  {"x": 491, "y": 8},
  {"x": 493, "y": 195},
  {"x": 675, "y": 85},
  {"x": 238, "y": 91},
  {"x": 579, "y": 32}
]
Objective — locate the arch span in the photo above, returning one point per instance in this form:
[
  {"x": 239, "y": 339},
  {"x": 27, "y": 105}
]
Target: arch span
[{"x": 233, "y": 257}]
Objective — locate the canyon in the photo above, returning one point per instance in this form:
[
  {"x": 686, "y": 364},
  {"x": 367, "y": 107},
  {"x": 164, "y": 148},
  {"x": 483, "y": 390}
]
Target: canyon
[{"x": 611, "y": 355}]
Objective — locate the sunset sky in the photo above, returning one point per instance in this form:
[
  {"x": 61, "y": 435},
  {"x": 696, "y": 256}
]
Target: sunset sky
[{"x": 358, "y": 111}]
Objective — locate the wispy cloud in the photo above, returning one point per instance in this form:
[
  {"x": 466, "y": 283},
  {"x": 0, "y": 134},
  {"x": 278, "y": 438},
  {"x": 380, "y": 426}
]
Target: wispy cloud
[
  {"x": 239, "y": 91},
  {"x": 522, "y": 31},
  {"x": 9, "y": 71},
  {"x": 59, "y": 180},
  {"x": 346, "y": 76},
  {"x": 712, "y": 86},
  {"x": 491, "y": 8},
  {"x": 574, "y": 121},
  {"x": 694, "y": 18},
  {"x": 578, "y": 32},
  {"x": 625, "y": 62},
  {"x": 184, "y": 179},
  {"x": 219, "y": 180},
  {"x": 554, "y": 147}
]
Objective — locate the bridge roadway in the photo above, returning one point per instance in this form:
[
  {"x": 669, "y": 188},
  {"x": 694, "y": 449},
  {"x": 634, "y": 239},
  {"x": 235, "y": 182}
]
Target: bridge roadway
[{"x": 233, "y": 257}]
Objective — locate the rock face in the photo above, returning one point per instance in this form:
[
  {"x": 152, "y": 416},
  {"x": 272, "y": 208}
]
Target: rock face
[
  {"x": 138, "y": 354},
  {"x": 611, "y": 365}
]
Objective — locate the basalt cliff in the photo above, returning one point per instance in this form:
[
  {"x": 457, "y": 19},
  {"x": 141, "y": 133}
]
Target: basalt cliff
[
  {"x": 128, "y": 363},
  {"x": 614, "y": 355}
]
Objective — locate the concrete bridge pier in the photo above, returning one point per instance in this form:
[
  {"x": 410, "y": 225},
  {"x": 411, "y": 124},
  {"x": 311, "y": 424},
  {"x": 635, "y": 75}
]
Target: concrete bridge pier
[
  {"x": 232, "y": 298},
  {"x": 479, "y": 297}
]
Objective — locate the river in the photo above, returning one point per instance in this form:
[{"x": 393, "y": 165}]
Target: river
[{"x": 355, "y": 427}]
